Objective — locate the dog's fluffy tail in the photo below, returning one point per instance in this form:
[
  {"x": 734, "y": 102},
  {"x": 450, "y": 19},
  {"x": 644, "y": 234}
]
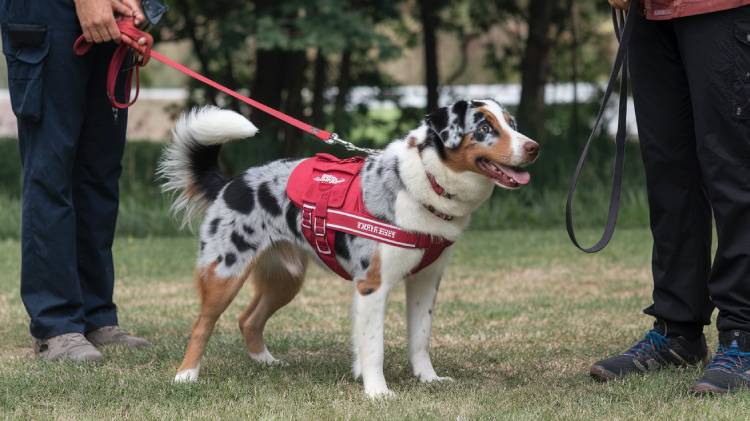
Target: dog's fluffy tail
[{"x": 189, "y": 166}]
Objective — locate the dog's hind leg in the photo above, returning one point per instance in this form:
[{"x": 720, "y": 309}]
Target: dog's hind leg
[
  {"x": 277, "y": 277},
  {"x": 421, "y": 292},
  {"x": 215, "y": 294}
]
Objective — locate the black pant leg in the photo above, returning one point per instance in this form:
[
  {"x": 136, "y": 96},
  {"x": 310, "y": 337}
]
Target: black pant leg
[
  {"x": 679, "y": 209},
  {"x": 96, "y": 174},
  {"x": 716, "y": 50}
]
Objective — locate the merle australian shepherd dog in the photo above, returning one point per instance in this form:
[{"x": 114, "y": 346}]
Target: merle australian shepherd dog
[{"x": 251, "y": 229}]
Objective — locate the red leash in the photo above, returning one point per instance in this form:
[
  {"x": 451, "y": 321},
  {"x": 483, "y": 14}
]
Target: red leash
[{"x": 130, "y": 36}]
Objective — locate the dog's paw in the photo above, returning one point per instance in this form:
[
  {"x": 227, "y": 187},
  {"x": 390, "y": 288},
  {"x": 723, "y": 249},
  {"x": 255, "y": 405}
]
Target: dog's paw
[
  {"x": 264, "y": 357},
  {"x": 435, "y": 379},
  {"x": 379, "y": 393},
  {"x": 187, "y": 376}
]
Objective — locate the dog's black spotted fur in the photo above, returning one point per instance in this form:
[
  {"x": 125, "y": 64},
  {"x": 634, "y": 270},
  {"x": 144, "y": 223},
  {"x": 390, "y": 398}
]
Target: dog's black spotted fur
[
  {"x": 267, "y": 201},
  {"x": 239, "y": 196}
]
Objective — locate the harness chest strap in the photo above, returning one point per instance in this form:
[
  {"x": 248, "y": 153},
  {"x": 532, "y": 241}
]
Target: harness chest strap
[{"x": 320, "y": 227}]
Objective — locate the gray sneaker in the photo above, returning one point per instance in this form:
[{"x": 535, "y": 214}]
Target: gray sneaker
[
  {"x": 69, "y": 347},
  {"x": 113, "y": 335}
]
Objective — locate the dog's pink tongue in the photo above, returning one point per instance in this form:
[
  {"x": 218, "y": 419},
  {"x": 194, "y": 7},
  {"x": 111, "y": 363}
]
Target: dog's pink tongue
[{"x": 522, "y": 177}]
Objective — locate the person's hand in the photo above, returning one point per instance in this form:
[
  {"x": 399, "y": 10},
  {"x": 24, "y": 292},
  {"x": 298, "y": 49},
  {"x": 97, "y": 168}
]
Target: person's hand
[
  {"x": 140, "y": 21},
  {"x": 137, "y": 11},
  {"x": 97, "y": 18},
  {"x": 619, "y": 4}
]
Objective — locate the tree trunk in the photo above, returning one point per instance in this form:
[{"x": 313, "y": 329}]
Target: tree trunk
[
  {"x": 267, "y": 88},
  {"x": 294, "y": 70},
  {"x": 198, "y": 49},
  {"x": 342, "y": 98},
  {"x": 574, "y": 66},
  {"x": 229, "y": 80},
  {"x": 429, "y": 23},
  {"x": 535, "y": 67},
  {"x": 320, "y": 82}
]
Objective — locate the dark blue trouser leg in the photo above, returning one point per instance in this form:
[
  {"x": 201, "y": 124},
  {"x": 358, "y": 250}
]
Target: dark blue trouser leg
[
  {"x": 71, "y": 146},
  {"x": 95, "y": 191}
]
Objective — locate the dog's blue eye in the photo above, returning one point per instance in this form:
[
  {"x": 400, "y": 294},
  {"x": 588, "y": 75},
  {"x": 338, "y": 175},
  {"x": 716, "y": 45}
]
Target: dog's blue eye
[{"x": 484, "y": 128}]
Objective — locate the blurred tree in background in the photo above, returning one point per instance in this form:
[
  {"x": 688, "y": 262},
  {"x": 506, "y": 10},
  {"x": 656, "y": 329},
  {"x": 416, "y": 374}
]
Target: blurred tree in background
[
  {"x": 563, "y": 41},
  {"x": 281, "y": 49},
  {"x": 289, "y": 54}
]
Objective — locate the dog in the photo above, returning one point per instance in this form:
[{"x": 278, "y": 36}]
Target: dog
[{"x": 251, "y": 228}]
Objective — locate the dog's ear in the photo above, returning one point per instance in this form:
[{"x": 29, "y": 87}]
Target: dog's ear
[
  {"x": 449, "y": 123},
  {"x": 511, "y": 120}
]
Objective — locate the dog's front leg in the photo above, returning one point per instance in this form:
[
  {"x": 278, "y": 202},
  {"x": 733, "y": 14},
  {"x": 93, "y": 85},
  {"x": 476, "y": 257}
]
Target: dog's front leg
[
  {"x": 369, "y": 322},
  {"x": 369, "y": 318},
  {"x": 421, "y": 292}
]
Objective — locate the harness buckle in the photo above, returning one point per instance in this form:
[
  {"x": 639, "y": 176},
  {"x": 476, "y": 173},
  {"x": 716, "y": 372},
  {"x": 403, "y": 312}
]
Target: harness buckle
[
  {"x": 319, "y": 226},
  {"x": 306, "y": 218},
  {"x": 322, "y": 245}
]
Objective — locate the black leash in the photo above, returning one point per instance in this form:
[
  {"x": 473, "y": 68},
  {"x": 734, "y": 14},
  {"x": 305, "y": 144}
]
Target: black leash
[{"x": 623, "y": 29}]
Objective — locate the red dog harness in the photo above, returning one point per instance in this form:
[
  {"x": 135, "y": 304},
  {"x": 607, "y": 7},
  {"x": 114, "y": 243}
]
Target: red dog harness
[{"x": 329, "y": 193}]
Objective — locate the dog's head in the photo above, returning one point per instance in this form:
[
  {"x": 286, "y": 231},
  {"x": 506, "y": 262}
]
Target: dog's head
[{"x": 481, "y": 136}]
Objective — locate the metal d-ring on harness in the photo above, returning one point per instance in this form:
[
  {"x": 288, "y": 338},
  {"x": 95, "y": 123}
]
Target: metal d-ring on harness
[{"x": 623, "y": 29}]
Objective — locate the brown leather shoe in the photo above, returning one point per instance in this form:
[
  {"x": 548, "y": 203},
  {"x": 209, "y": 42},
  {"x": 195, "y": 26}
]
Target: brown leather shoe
[
  {"x": 113, "y": 335},
  {"x": 66, "y": 347}
]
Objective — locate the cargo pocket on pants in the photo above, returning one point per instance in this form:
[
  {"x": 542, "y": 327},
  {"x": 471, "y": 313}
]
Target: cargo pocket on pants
[{"x": 25, "y": 47}]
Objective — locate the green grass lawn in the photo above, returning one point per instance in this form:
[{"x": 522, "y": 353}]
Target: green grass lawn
[{"x": 520, "y": 317}]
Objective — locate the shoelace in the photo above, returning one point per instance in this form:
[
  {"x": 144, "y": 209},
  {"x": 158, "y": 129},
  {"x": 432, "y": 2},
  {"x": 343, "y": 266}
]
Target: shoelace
[
  {"x": 74, "y": 341},
  {"x": 730, "y": 358},
  {"x": 650, "y": 345}
]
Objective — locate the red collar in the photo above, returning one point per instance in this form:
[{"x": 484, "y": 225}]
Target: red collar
[
  {"x": 440, "y": 192},
  {"x": 438, "y": 188}
]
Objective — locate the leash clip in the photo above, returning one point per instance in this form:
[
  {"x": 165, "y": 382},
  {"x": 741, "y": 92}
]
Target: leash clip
[{"x": 335, "y": 139}]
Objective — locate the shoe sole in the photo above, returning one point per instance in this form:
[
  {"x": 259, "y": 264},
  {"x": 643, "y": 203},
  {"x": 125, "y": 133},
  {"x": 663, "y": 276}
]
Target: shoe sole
[
  {"x": 707, "y": 389},
  {"x": 121, "y": 345},
  {"x": 601, "y": 374},
  {"x": 84, "y": 360}
]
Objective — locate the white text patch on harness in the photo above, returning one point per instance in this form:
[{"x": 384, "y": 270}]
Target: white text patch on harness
[
  {"x": 329, "y": 179},
  {"x": 376, "y": 230}
]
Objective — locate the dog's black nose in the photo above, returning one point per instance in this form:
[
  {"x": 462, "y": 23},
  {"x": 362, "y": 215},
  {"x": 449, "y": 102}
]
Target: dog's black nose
[{"x": 531, "y": 148}]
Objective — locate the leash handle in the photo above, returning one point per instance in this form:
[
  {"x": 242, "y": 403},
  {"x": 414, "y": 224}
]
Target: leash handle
[
  {"x": 129, "y": 41},
  {"x": 623, "y": 29},
  {"x": 130, "y": 36}
]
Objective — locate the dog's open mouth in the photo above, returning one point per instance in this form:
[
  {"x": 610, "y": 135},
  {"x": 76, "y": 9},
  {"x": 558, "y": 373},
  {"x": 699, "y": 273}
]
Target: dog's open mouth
[{"x": 503, "y": 175}]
